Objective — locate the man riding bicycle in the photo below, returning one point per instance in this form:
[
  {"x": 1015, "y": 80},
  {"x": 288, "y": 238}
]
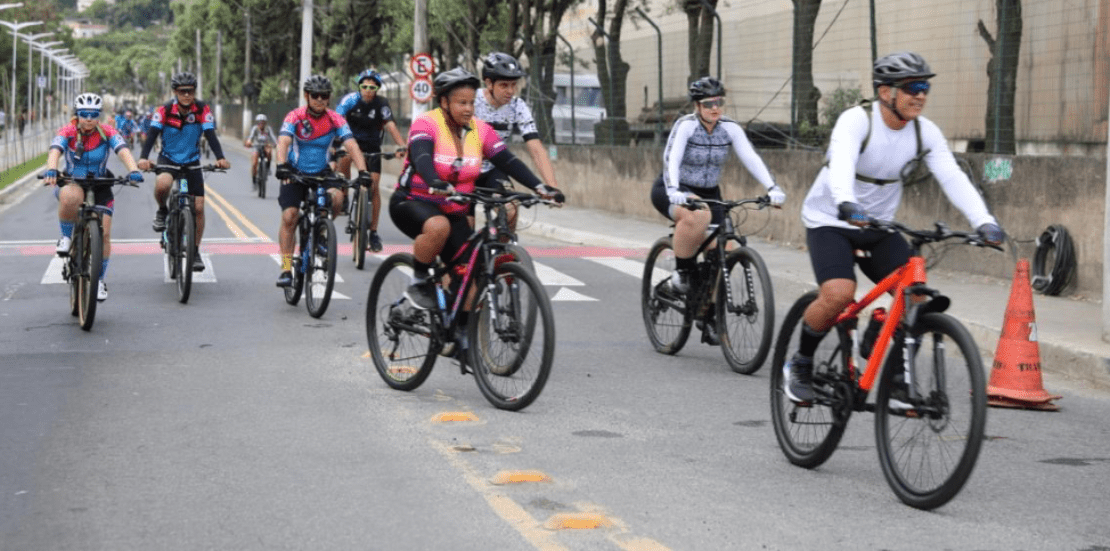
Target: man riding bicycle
[
  {"x": 262, "y": 139},
  {"x": 309, "y": 131},
  {"x": 446, "y": 149},
  {"x": 368, "y": 114},
  {"x": 181, "y": 123},
  {"x": 497, "y": 105},
  {"x": 697, "y": 148},
  {"x": 85, "y": 144},
  {"x": 871, "y": 152}
]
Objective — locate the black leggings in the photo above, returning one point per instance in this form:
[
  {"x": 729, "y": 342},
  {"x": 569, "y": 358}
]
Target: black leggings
[{"x": 409, "y": 215}]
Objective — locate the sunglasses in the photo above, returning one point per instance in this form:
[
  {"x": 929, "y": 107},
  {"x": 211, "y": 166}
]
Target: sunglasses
[
  {"x": 370, "y": 87},
  {"x": 915, "y": 87},
  {"x": 186, "y": 91},
  {"x": 314, "y": 95},
  {"x": 88, "y": 114},
  {"x": 712, "y": 103}
]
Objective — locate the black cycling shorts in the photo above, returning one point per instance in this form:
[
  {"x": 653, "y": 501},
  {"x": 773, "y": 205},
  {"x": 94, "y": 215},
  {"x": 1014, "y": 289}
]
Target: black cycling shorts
[
  {"x": 292, "y": 192},
  {"x": 193, "y": 174},
  {"x": 832, "y": 251},
  {"x": 409, "y": 215},
  {"x": 373, "y": 164},
  {"x": 662, "y": 203}
]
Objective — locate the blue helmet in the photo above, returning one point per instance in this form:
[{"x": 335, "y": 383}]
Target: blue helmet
[{"x": 369, "y": 74}]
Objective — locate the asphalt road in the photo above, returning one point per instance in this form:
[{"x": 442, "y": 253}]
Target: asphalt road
[{"x": 237, "y": 421}]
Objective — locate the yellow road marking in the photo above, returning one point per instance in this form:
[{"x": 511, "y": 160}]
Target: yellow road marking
[
  {"x": 454, "y": 416},
  {"x": 517, "y": 477},
  {"x": 235, "y": 230},
  {"x": 246, "y": 223},
  {"x": 577, "y": 521}
]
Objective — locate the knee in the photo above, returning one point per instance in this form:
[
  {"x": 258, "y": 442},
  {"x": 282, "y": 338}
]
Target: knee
[
  {"x": 437, "y": 227},
  {"x": 838, "y": 294}
]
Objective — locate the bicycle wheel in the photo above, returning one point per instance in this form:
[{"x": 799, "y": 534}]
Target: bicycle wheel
[
  {"x": 399, "y": 335},
  {"x": 293, "y": 292},
  {"x": 666, "y": 317},
  {"x": 72, "y": 270},
  {"x": 521, "y": 256},
  {"x": 360, "y": 225},
  {"x": 928, "y": 451},
  {"x": 511, "y": 355},
  {"x": 186, "y": 252},
  {"x": 89, "y": 274},
  {"x": 320, "y": 280},
  {"x": 262, "y": 175},
  {"x": 808, "y": 434},
  {"x": 745, "y": 322}
]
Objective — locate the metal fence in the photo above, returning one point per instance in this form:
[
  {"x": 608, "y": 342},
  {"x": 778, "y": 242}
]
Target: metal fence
[{"x": 19, "y": 147}]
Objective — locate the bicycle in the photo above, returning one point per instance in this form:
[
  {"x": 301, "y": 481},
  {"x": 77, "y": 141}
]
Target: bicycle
[
  {"x": 314, "y": 263},
  {"x": 179, "y": 239},
  {"x": 82, "y": 266},
  {"x": 262, "y": 172},
  {"x": 359, "y": 219},
  {"x": 738, "y": 303},
  {"x": 921, "y": 422},
  {"x": 511, "y": 328}
]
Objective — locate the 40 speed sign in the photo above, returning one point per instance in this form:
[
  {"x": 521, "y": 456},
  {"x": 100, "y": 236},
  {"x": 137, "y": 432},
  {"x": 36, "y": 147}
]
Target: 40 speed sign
[{"x": 421, "y": 90}]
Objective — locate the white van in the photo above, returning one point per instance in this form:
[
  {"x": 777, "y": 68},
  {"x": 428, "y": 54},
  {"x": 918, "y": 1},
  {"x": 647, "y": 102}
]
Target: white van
[{"x": 587, "y": 108}]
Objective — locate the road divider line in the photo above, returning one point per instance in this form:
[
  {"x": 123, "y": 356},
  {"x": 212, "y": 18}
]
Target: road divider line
[
  {"x": 242, "y": 218},
  {"x": 231, "y": 225}
]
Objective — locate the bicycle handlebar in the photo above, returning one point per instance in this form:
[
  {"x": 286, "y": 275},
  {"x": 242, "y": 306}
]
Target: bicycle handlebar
[
  {"x": 941, "y": 232},
  {"x": 497, "y": 197},
  {"x": 94, "y": 182},
  {"x": 182, "y": 168},
  {"x": 760, "y": 202}
]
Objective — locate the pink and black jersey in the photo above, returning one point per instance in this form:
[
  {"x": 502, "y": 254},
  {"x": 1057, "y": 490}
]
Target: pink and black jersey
[
  {"x": 312, "y": 136},
  {"x": 87, "y": 154},
  {"x": 459, "y": 168}
]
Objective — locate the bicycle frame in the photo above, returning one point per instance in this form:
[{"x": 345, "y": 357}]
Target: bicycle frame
[{"x": 720, "y": 235}]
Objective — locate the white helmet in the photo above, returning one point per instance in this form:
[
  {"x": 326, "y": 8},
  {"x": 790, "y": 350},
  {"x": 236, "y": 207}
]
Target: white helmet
[
  {"x": 260, "y": 118},
  {"x": 88, "y": 101}
]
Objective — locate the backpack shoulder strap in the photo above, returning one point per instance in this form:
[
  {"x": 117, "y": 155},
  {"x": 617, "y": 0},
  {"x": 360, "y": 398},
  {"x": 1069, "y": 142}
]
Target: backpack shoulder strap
[{"x": 869, "y": 108}]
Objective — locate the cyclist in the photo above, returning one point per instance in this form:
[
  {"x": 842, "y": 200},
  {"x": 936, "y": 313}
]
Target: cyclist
[
  {"x": 863, "y": 178},
  {"x": 86, "y": 144},
  {"x": 262, "y": 139},
  {"x": 497, "y": 105},
  {"x": 446, "y": 149},
  {"x": 128, "y": 127},
  {"x": 369, "y": 114},
  {"x": 696, "y": 150},
  {"x": 309, "y": 131},
  {"x": 181, "y": 123}
]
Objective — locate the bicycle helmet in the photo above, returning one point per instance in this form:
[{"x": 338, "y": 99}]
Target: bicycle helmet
[
  {"x": 899, "y": 66},
  {"x": 183, "y": 79},
  {"x": 706, "y": 87},
  {"x": 317, "y": 84},
  {"x": 88, "y": 101},
  {"x": 369, "y": 74},
  {"x": 260, "y": 118},
  {"x": 449, "y": 80},
  {"x": 500, "y": 66}
]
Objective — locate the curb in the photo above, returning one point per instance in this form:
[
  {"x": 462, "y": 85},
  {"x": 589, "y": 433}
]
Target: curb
[{"x": 10, "y": 195}]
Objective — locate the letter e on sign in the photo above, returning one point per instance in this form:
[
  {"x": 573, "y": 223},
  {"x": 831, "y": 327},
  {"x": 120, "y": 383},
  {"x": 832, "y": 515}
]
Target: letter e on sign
[{"x": 422, "y": 65}]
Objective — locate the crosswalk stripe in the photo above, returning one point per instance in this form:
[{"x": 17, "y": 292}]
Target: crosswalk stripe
[
  {"x": 207, "y": 276},
  {"x": 338, "y": 279},
  {"x": 565, "y": 294},
  {"x": 553, "y": 277},
  {"x": 633, "y": 268},
  {"x": 53, "y": 273}
]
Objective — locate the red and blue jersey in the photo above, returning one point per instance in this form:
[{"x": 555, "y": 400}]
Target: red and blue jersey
[
  {"x": 87, "y": 154},
  {"x": 312, "y": 136},
  {"x": 181, "y": 129}
]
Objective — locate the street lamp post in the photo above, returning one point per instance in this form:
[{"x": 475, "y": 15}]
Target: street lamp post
[
  {"x": 30, "y": 40},
  {"x": 15, "y": 27},
  {"x": 43, "y": 48}
]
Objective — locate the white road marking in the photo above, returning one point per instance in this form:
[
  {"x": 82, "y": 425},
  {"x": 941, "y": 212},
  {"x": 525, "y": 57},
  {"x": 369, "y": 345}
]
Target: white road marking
[
  {"x": 53, "y": 273},
  {"x": 338, "y": 279},
  {"x": 565, "y": 294}
]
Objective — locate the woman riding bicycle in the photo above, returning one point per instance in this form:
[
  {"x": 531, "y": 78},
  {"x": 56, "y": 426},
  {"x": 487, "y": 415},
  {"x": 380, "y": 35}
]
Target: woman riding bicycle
[
  {"x": 86, "y": 143},
  {"x": 862, "y": 179},
  {"x": 446, "y": 149},
  {"x": 262, "y": 139},
  {"x": 696, "y": 150}
]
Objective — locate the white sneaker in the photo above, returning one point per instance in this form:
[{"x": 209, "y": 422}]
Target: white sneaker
[
  {"x": 102, "y": 291},
  {"x": 63, "y": 246},
  {"x": 680, "y": 281}
]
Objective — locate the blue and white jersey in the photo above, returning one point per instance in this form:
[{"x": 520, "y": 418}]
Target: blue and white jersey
[
  {"x": 181, "y": 129},
  {"x": 86, "y": 155}
]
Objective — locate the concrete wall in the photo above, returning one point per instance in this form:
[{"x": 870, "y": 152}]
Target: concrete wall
[{"x": 1038, "y": 192}]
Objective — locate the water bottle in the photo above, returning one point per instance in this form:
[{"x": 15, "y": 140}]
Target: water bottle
[{"x": 878, "y": 317}]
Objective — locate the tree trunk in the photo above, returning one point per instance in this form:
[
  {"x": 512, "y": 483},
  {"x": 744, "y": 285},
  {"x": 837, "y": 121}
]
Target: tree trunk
[
  {"x": 806, "y": 95},
  {"x": 1002, "y": 72},
  {"x": 699, "y": 28}
]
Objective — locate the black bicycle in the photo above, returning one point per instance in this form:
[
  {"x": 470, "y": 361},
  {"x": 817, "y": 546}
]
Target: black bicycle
[
  {"x": 86, "y": 253},
  {"x": 511, "y": 328},
  {"x": 361, "y": 215},
  {"x": 262, "y": 172},
  {"x": 730, "y": 292},
  {"x": 179, "y": 239},
  {"x": 315, "y": 260}
]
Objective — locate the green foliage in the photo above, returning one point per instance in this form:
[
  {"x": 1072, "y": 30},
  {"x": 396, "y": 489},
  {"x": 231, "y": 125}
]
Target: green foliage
[{"x": 839, "y": 101}]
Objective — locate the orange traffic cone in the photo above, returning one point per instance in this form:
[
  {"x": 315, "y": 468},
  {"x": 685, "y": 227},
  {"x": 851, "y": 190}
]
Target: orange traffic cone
[{"x": 1016, "y": 373}]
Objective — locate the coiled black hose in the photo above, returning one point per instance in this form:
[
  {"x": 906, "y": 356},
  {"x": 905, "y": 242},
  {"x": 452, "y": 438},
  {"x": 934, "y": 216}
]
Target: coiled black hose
[{"x": 1055, "y": 240}]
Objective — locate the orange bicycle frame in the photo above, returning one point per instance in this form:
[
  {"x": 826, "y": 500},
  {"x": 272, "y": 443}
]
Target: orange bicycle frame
[{"x": 910, "y": 274}]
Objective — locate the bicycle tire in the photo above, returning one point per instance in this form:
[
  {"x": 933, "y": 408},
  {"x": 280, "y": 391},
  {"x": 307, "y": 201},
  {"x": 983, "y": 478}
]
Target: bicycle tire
[
  {"x": 293, "y": 292},
  {"x": 666, "y": 317},
  {"x": 262, "y": 174},
  {"x": 745, "y": 324},
  {"x": 73, "y": 269},
  {"x": 522, "y": 256},
  {"x": 89, "y": 274},
  {"x": 186, "y": 251},
  {"x": 510, "y": 354},
  {"x": 360, "y": 237},
  {"x": 400, "y": 337},
  {"x": 919, "y": 451},
  {"x": 808, "y": 434},
  {"x": 320, "y": 281}
]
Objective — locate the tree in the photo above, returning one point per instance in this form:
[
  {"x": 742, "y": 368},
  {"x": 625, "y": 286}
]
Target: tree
[
  {"x": 1002, "y": 72},
  {"x": 536, "y": 24},
  {"x": 806, "y": 95},
  {"x": 699, "y": 24},
  {"x": 612, "y": 72}
]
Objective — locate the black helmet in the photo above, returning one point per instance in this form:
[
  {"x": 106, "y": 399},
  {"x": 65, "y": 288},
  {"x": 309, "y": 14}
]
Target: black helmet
[
  {"x": 183, "y": 79},
  {"x": 500, "y": 66},
  {"x": 449, "y": 80},
  {"x": 318, "y": 84},
  {"x": 899, "y": 66},
  {"x": 706, "y": 87}
]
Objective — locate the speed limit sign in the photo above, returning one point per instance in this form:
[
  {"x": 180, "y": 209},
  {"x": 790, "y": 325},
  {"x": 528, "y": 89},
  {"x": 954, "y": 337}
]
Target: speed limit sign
[
  {"x": 422, "y": 65},
  {"x": 421, "y": 90}
]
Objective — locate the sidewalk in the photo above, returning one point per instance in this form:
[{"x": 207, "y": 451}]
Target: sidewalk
[{"x": 1069, "y": 330}]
